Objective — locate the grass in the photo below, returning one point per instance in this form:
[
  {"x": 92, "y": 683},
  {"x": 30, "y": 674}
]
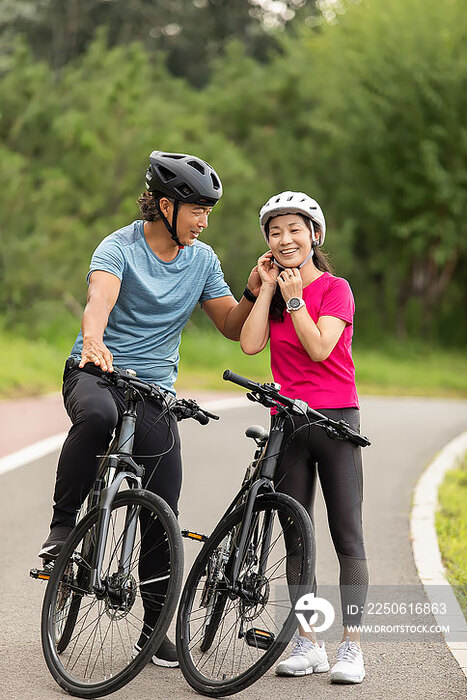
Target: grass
[
  {"x": 451, "y": 526},
  {"x": 398, "y": 370},
  {"x": 30, "y": 367}
]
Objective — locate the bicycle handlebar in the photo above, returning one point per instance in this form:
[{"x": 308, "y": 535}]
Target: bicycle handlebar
[
  {"x": 181, "y": 408},
  {"x": 268, "y": 395},
  {"x": 241, "y": 381}
]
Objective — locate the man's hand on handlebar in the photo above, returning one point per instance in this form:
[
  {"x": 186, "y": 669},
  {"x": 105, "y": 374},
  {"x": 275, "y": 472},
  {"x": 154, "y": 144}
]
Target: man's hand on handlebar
[
  {"x": 181, "y": 408},
  {"x": 96, "y": 352}
]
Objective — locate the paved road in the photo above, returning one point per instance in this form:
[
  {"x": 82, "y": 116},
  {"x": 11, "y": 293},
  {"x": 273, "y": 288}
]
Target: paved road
[{"x": 406, "y": 433}]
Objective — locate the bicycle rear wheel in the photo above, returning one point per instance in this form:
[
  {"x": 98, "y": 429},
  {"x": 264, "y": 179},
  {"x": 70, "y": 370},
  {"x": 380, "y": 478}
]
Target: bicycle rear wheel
[
  {"x": 226, "y": 638},
  {"x": 89, "y": 637}
]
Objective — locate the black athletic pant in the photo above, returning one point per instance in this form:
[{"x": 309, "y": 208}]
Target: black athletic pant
[
  {"x": 95, "y": 409},
  {"x": 339, "y": 467}
]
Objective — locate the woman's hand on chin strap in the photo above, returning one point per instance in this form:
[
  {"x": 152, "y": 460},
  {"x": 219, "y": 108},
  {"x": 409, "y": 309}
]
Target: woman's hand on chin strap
[
  {"x": 254, "y": 281},
  {"x": 267, "y": 269},
  {"x": 290, "y": 283}
]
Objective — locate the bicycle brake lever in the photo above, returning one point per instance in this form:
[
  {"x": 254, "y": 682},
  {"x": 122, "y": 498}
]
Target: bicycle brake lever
[
  {"x": 332, "y": 432},
  {"x": 259, "y": 398}
]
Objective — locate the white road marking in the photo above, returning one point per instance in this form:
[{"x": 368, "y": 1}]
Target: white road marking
[{"x": 51, "y": 444}]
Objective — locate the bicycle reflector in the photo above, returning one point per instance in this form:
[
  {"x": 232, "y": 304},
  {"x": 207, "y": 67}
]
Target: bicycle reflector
[
  {"x": 194, "y": 536},
  {"x": 43, "y": 574},
  {"x": 259, "y": 638}
]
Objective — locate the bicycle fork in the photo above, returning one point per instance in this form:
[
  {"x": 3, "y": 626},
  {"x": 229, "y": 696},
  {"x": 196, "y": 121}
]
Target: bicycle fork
[{"x": 102, "y": 531}]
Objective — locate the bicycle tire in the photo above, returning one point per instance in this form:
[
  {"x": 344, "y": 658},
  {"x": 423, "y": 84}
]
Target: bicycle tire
[
  {"x": 100, "y": 654},
  {"x": 227, "y": 667}
]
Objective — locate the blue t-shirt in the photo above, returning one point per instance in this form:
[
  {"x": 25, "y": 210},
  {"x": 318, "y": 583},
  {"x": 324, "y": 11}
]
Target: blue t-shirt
[{"x": 155, "y": 301}]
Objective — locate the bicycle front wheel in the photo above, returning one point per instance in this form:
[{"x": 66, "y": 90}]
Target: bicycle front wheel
[
  {"x": 230, "y": 633},
  {"x": 96, "y": 641}
]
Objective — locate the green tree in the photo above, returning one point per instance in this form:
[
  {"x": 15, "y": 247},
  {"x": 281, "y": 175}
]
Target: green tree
[
  {"x": 75, "y": 149},
  {"x": 360, "y": 111},
  {"x": 192, "y": 33},
  {"x": 390, "y": 132}
]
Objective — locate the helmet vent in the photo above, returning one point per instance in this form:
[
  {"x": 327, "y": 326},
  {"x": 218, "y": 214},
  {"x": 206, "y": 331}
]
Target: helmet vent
[
  {"x": 166, "y": 174},
  {"x": 198, "y": 166},
  {"x": 174, "y": 156},
  {"x": 185, "y": 190},
  {"x": 215, "y": 182},
  {"x": 289, "y": 198},
  {"x": 278, "y": 200}
]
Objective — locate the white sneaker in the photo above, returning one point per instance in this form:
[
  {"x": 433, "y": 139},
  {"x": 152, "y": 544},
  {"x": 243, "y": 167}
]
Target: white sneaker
[
  {"x": 349, "y": 667},
  {"x": 306, "y": 658}
]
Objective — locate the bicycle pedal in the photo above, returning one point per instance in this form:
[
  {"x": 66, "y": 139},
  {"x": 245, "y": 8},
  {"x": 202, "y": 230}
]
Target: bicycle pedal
[
  {"x": 194, "y": 536},
  {"x": 260, "y": 639},
  {"x": 42, "y": 574}
]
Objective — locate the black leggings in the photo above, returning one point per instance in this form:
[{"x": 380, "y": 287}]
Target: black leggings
[{"x": 339, "y": 466}]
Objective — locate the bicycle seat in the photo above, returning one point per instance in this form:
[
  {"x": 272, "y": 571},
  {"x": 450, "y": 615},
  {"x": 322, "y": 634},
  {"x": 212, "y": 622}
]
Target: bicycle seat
[{"x": 257, "y": 432}]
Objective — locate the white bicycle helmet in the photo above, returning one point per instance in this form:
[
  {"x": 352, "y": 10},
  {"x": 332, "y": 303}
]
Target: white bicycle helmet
[{"x": 292, "y": 203}]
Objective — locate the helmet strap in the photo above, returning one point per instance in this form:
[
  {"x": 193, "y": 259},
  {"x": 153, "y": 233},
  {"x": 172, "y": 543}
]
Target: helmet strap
[
  {"x": 171, "y": 227},
  {"x": 297, "y": 267}
]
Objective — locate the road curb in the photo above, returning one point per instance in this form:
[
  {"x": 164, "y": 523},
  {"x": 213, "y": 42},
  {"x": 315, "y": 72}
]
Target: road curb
[{"x": 425, "y": 547}]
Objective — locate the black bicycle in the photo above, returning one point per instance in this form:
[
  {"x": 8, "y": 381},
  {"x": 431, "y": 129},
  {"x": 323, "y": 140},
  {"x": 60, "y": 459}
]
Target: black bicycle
[
  {"x": 120, "y": 571},
  {"x": 236, "y": 613}
]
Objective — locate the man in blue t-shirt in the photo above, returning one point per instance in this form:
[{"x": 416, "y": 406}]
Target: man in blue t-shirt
[{"x": 144, "y": 281}]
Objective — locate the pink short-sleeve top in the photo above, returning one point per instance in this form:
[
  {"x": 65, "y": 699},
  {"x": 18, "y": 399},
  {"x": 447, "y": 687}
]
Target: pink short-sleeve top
[{"x": 326, "y": 384}]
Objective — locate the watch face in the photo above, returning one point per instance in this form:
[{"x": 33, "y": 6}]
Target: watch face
[{"x": 294, "y": 303}]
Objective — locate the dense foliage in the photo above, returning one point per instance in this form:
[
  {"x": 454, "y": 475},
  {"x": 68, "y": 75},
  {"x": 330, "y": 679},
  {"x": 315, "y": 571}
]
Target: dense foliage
[{"x": 366, "y": 112}]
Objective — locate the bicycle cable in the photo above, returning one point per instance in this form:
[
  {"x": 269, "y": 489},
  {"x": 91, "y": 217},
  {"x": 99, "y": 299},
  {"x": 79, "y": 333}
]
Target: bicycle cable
[{"x": 166, "y": 415}]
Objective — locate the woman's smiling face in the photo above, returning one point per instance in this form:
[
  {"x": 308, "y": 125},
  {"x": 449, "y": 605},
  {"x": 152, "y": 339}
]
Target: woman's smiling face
[{"x": 289, "y": 239}]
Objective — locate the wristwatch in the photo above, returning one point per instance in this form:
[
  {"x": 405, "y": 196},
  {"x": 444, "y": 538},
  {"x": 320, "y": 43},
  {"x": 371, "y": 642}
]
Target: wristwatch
[{"x": 294, "y": 303}]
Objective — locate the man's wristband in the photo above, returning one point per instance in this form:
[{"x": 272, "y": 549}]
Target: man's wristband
[{"x": 249, "y": 295}]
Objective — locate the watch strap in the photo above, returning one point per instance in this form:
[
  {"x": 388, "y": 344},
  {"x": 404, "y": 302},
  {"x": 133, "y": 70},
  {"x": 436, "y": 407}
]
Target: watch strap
[{"x": 248, "y": 294}]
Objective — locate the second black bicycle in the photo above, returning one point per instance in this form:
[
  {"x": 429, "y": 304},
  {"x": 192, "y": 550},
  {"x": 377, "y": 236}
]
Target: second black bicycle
[{"x": 237, "y": 610}]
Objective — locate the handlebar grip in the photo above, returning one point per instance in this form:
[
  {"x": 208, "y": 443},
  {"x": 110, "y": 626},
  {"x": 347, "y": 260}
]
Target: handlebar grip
[
  {"x": 201, "y": 417},
  {"x": 89, "y": 367},
  {"x": 353, "y": 436},
  {"x": 230, "y": 376},
  {"x": 360, "y": 440}
]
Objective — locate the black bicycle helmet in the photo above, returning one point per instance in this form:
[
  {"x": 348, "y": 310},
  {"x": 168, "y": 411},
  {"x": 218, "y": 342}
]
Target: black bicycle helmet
[{"x": 184, "y": 178}]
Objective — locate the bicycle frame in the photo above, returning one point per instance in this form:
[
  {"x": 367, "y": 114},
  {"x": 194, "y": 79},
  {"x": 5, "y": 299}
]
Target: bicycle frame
[
  {"x": 264, "y": 483},
  {"x": 133, "y": 474}
]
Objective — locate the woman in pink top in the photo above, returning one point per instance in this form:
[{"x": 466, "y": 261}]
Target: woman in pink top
[{"x": 307, "y": 315}]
